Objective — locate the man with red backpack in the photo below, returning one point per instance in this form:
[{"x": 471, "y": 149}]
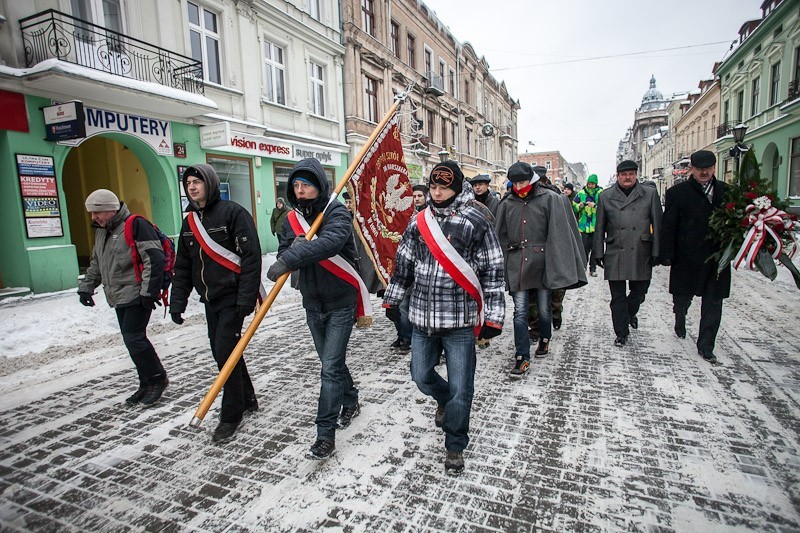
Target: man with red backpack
[{"x": 132, "y": 290}]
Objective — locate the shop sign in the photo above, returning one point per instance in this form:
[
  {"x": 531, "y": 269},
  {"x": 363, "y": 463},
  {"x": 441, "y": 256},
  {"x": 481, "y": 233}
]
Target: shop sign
[
  {"x": 64, "y": 121},
  {"x": 244, "y": 143},
  {"x": 215, "y": 135},
  {"x": 39, "y": 193},
  {"x": 155, "y": 132}
]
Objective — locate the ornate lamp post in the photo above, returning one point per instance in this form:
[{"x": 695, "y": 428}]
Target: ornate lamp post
[{"x": 738, "y": 148}]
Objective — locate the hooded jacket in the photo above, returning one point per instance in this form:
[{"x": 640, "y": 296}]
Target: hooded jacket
[
  {"x": 585, "y": 213},
  {"x": 540, "y": 240},
  {"x": 231, "y": 226},
  {"x": 321, "y": 290},
  {"x": 278, "y": 216},
  {"x": 112, "y": 264},
  {"x": 438, "y": 303}
]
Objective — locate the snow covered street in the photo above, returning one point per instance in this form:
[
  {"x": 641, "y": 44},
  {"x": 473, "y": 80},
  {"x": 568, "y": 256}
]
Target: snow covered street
[{"x": 594, "y": 438}]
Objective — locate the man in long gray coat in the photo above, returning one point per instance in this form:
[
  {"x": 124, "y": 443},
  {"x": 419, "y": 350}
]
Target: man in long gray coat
[{"x": 628, "y": 225}]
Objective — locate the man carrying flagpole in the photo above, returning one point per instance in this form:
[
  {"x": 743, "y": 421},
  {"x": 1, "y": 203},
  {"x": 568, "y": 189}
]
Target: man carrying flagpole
[
  {"x": 334, "y": 295},
  {"x": 451, "y": 261},
  {"x": 220, "y": 257}
]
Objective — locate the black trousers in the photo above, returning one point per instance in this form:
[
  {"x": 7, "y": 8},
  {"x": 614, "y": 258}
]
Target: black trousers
[
  {"x": 624, "y": 305},
  {"x": 133, "y": 321},
  {"x": 710, "y": 318},
  {"x": 588, "y": 241},
  {"x": 224, "y": 331}
]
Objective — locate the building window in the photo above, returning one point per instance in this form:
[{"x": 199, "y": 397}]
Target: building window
[
  {"x": 796, "y": 64},
  {"x": 469, "y": 141},
  {"x": 775, "y": 81},
  {"x": 794, "y": 169},
  {"x": 316, "y": 83},
  {"x": 411, "y": 45},
  {"x": 453, "y": 133},
  {"x": 368, "y": 17},
  {"x": 548, "y": 164},
  {"x": 274, "y": 69},
  {"x": 726, "y": 116},
  {"x": 204, "y": 40},
  {"x": 442, "y": 72},
  {"x": 444, "y": 134},
  {"x": 754, "y": 95},
  {"x": 452, "y": 82},
  {"x": 431, "y": 124},
  {"x": 740, "y": 106},
  {"x": 428, "y": 62},
  {"x": 466, "y": 92},
  {"x": 315, "y": 9},
  {"x": 395, "y": 39},
  {"x": 371, "y": 101}
]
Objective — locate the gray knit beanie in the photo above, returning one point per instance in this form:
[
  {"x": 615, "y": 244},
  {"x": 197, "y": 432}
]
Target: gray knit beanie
[{"x": 102, "y": 200}]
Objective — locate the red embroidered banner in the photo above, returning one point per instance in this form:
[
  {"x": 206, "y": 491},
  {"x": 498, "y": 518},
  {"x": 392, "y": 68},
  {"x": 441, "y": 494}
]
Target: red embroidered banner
[{"x": 382, "y": 198}]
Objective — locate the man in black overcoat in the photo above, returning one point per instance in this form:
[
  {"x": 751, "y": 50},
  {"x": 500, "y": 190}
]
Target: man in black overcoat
[{"x": 686, "y": 245}]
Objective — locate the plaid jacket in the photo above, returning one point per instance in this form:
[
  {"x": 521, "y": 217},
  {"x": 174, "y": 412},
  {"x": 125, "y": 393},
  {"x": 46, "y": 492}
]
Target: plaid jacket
[{"x": 437, "y": 302}]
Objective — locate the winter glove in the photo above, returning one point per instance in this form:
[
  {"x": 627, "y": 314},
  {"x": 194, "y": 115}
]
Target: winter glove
[
  {"x": 86, "y": 299},
  {"x": 487, "y": 332},
  {"x": 665, "y": 262},
  {"x": 277, "y": 269},
  {"x": 299, "y": 239},
  {"x": 243, "y": 310},
  {"x": 393, "y": 314},
  {"x": 177, "y": 318},
  {"x": 147, "y": 302},
  {"x": 599, "y": 262},
  {"x": 380, "y": 293}
]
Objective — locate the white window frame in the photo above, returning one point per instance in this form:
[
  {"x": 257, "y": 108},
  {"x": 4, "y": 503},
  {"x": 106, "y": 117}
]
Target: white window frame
[
  {"x": 204, "y": 35},
  {"x": 270, "y": 63},
  {"x": 315, "y": 9},
  {"x": 427, "y": 53},
  {"x": 316, "y": 88}
]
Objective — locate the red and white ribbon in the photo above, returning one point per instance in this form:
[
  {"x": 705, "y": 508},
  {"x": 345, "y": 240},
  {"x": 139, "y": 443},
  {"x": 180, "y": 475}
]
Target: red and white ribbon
[
  {"x": 451, "y": 261},
  {"x": 339, "y": 267},
  {"x": 765, "y": 222},
  {"x": 219, "y": 253}
]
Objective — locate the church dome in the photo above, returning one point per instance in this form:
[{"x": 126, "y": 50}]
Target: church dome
[{"x": 653, "y": 97}]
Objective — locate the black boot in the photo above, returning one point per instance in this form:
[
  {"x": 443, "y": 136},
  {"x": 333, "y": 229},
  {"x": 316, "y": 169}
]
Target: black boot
[
  {"x": 137, "y": 396},
  {"x": 154, "y": 392},
  {"x": 680, "y": 325}
]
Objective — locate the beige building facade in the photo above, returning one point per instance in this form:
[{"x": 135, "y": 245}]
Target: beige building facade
[{"x": 455, "y": 109}]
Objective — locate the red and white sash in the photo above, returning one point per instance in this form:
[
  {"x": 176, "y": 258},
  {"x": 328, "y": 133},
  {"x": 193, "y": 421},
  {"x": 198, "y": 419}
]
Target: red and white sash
[
  {"x": 340, "y": 268},
  {"x": 219, "y": 253},
  {"x": 450, "y": 260}
]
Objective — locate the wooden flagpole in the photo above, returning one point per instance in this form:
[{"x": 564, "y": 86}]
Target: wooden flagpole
[{"x": 237, "y": 352}]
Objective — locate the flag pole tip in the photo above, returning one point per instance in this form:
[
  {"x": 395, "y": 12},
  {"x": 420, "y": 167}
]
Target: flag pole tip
[{"x": 195, "y": 423}]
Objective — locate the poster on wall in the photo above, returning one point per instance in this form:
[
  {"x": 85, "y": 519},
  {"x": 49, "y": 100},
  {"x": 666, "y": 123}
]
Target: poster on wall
[
  {"x": 184, "y": 199},
  {"x": 39, "y": 194}
]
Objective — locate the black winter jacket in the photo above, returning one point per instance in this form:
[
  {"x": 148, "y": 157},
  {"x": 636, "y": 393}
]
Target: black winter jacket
[
  {"x": 321, "y": 290},
  {"x": 230, "y": 225}
]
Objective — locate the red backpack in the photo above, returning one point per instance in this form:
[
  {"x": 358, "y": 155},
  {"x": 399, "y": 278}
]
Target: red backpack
[{"x": 169, "y": 255}]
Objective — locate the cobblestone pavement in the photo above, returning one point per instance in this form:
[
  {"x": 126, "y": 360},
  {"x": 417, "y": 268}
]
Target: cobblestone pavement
[{"x": 647, "y": 437}]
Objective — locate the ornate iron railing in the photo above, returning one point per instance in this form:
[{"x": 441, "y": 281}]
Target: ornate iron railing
[
  {"x": 794, "y": 90},
  {"x": 724, "y": 128},
  {"x": 52, "y": 34}
]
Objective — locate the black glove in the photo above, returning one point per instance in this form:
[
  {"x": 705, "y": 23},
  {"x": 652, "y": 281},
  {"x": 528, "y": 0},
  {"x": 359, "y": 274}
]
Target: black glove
[
  {"x": 654, "y": 262},
  {"x": 147, "y": 302},
  {"x": 243, "y": 310},
  {"x": 86, "y": 299},
  {"x": 177, "y": 318},
  {"x": 599, "y": 262},
  {"x": 380, "y": 293},
  {"x": 277, "y": 269},
  {"x": 393, "y": 314},
  {"x": 665, "y": 262},
  {"x": 487, "y": 332},
  {"x": 299, "y": 239}
]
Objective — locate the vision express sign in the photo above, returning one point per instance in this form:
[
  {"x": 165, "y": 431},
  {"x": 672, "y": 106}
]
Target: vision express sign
[{"x": 219, "y": 137}]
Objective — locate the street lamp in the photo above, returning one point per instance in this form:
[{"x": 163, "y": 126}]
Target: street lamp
[
  {"x": 444, "y": 155},
  {"x": 738, "y": 148}
]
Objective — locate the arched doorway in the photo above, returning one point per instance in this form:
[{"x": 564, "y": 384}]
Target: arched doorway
[
  {"x": 770, "y": 162},
  {"x": 101, "y": 163}
]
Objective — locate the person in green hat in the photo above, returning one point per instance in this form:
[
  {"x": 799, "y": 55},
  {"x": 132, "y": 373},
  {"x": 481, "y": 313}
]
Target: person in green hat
[{"x": 585, "y": 206}]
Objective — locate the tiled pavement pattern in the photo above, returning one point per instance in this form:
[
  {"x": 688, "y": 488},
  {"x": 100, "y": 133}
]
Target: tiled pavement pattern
[{"x": 595, "y": 438}]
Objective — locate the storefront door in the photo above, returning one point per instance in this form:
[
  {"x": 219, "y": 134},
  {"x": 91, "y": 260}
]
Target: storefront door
[{"x": 236, "y": 180}]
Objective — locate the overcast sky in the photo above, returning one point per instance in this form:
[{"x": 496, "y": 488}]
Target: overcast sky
[{"x": 583, "y": 108}]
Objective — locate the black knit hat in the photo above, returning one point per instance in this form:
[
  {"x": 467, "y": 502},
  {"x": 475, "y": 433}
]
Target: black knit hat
[
  {"x": 447, "y": 174},
  {"x": 569, "y": 186}
]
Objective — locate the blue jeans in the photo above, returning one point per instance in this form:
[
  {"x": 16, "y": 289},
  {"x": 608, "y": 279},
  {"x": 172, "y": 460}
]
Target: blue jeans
[
  {"x": 403, "y": 325},
  {"x": 456, "y": 393},
  {"x": 522, "y": 341},
  {"x": 331, "y": 332}
]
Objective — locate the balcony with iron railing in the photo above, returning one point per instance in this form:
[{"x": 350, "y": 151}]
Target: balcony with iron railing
[
  {"x": 434, "y": 84},
  {"x": 55, "y": 35},
  {"x": 724, "y": 129},
  {"x": 794, "y": 90}
]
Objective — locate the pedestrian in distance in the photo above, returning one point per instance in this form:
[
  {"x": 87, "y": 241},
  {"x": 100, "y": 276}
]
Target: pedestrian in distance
[
  {"x": 626, "y": 245},
  {"x": 542, "y": 253},
  {"x": 569, "y": 192},
  {"x": 480, "y": 187},
  {"x": 132, "y": 297},
  {"x": 420, "y": 197},
  {"x": 278, "y": 216},
  {"x": 219, "y": 256},
  {"x": 451, "y": 263},
  {"x": 686, "y": 246},
  {"x": 585, "y": 206},
  {"x": 329, "y": 295}
]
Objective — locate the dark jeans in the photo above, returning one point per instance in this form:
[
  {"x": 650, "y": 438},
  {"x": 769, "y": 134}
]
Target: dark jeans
[
  {"x": 133, "y": 322},
  {"x": 624, "y": 306},
  {"x": 404, "y": 327},
  {"x": 710, "y": 318},
  {"x": 331, "y": 332},
  {"x": 588, "y": 242},
  {"x": 522, "y": 339},
  {"x": 224, "y": 331},
  {"x": 456, "y": 393}
]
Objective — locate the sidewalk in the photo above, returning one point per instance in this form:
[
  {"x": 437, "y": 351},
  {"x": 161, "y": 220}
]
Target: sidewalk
[{"x": 594, "y": 438}]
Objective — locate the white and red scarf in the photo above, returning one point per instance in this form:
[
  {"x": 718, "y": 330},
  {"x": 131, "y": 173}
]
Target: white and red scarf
[
  {"x": 450, "y": 260},
  {"x": 219, "y": 253},
  {"x": 339, "y": 267}
]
